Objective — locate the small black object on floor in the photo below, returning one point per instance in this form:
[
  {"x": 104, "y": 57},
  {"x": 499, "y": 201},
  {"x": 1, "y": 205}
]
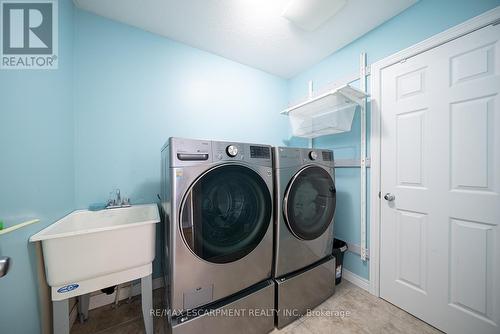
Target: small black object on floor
[{"x": 339, "y": 248}]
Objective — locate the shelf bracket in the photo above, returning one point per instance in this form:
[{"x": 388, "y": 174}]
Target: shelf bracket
[{"x": 362, "y": 77}]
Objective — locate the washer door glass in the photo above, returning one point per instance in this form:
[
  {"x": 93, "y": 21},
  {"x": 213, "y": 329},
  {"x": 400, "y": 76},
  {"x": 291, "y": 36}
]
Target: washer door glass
[
  {"x": 226, "y": 213},
  {"x": 309, "y": 204}
]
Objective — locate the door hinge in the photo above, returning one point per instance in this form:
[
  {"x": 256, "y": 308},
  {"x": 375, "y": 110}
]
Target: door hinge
[{"x": 379, "y": 194}]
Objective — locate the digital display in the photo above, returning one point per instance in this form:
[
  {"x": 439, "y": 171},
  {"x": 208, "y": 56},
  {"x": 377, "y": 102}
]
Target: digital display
[
  {"x": 327, "y": 155},
  {"x": 260, "y": 152}
]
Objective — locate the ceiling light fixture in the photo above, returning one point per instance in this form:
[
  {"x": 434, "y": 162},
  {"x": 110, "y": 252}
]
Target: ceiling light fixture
[{"x": 309, "y": 15}]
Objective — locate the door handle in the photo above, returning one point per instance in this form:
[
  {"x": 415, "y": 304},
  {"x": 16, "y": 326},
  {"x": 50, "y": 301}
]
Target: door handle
[
  {"x": 389, "y": 197},
  {"x": 4, "y": 265}
]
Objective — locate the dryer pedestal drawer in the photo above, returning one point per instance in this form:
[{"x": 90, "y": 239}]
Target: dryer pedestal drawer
[
  {"x": 250, "y": 312},
  {"x": 304, "y": 290}
]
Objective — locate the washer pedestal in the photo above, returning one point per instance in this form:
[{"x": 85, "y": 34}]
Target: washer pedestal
[
  {"x": 301, "y": 291},
  {"x": 248, "y": 312}
]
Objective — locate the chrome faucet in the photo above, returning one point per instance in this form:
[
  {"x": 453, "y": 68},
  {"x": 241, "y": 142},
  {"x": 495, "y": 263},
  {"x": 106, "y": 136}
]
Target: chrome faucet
[
  {"x": 118, "y": 202},
  {"x": 4, "y": 265},
  {"x": 118, "y": 196}
]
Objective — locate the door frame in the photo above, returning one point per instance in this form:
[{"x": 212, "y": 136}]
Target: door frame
[{"x": 483, "y": 20}]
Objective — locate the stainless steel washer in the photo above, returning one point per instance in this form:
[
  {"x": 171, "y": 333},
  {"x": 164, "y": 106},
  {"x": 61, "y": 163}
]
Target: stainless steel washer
[
  {"x": 217, "y": 199},
  {"x": 305, "y": 202}
]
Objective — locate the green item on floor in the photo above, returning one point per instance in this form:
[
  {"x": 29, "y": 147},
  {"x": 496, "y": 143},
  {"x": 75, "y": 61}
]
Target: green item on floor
[{"x": 1, "y": 225}]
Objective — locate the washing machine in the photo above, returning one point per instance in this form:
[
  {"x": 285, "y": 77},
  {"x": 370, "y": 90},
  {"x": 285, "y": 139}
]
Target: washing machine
[
  {"x": 305, "y": 202},
  {"x": 218, "y": 206}
]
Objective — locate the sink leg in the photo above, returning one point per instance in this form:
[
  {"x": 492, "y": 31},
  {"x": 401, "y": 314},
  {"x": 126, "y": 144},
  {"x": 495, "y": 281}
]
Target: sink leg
[
  {"x": 147, "y": 302},
  {"x": 60, "y": 316},
  {"x": 83, "y": 307}
]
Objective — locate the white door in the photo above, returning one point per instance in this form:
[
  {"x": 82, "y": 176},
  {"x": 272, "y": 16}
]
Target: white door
[{"x": 439, "y": 253}]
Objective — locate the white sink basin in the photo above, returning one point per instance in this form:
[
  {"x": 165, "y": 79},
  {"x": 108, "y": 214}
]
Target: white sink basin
[{"x": 90, "y": 250}]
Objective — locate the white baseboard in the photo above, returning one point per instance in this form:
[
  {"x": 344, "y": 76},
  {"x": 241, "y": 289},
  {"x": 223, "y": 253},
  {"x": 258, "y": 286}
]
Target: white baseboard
[
  {"x": 102, "y": 299},
  {"x": 131, "y": 290},
  {"x": 357, "y": 280}
]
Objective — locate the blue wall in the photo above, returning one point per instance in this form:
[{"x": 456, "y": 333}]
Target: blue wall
[
  {"x": 36, "y": 170},
  {"x": 423, "y": 20},
  {"x": 134, "y": 89},
  {"x": 69, "y": 136}
]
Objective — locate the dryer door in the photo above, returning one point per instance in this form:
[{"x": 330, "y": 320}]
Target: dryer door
[
  {"x": 226, "y": 213},
  {"x": 309, "y": 203}
]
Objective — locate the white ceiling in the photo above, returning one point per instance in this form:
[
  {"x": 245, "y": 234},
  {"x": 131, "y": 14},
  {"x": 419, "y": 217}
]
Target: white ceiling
[{"x": 251, "y": 32}]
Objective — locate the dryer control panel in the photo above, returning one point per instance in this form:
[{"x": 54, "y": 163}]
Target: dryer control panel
[
  {"x": 315, "y": 155},
  {"x": 290, "y": 156}
]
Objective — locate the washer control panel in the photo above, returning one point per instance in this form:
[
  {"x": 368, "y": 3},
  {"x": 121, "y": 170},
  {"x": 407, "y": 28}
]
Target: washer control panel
[
  {"x": 232, "y": 151},
  {"x": 190, "y": 152},
  {"x": 260, "y": 152}
]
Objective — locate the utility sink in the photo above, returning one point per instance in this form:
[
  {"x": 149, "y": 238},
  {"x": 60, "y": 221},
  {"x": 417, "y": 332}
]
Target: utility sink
[{"x": 90, "y": 250}]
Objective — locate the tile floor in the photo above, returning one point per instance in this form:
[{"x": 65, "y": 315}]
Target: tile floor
[{"x": 367, "y": 315}]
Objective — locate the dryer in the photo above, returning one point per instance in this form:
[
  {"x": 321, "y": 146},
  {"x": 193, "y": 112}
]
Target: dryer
[
  {"x": 305, "y": 203},
  {"x": 217, "y": 200}
]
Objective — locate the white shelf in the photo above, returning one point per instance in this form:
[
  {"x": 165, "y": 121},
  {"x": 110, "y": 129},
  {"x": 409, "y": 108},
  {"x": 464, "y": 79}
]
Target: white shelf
[
  {"x": 18, "y": 226},
  {"x": 328, "y": 113}
]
